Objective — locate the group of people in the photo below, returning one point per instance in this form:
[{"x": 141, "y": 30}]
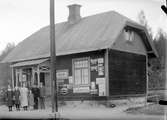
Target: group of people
[{"x": 22, "y": 97}]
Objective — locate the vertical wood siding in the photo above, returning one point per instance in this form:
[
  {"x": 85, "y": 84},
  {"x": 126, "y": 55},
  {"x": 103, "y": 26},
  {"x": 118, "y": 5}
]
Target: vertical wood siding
[{"x": 127, "y": 73}]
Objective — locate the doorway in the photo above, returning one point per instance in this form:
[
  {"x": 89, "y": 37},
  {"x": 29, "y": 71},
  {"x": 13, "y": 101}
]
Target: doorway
[{"x": 42, "y": 78}]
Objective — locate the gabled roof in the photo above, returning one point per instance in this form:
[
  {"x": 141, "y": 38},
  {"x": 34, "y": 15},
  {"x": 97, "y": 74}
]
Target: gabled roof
[{"x": 90, "y": 33}]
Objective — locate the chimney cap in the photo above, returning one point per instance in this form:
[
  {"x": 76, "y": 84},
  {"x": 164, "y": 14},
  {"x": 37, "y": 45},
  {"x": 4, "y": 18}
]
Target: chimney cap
[
  {"x": 74, "y": 13},
  {"x": 74, "y": 5}
]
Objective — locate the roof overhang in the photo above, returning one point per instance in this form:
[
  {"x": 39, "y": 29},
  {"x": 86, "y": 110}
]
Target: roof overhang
[
  {"x": 29, "y": 63},
  {"x": 142, "y": 31},
  {"x": 59, "y": 53}
]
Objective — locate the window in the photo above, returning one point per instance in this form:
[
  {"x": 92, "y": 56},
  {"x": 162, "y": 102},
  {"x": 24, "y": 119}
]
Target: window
[
  {"x": 81, "y": 71},
  {"x": 129, "y": 35}
]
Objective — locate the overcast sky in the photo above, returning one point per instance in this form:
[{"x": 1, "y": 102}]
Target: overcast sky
[{"x": 20, "y": 18}]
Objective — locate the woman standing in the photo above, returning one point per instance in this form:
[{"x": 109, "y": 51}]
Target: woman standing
[
  {"x": 9, "y": 96},
  {"x": 17, "y": 98},
  {"x": 24, "y": 97}
]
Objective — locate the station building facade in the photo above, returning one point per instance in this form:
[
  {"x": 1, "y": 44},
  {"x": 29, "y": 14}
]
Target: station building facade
[{"x": 99, "y": 56}]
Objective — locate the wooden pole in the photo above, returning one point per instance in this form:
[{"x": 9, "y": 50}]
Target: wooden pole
[
  {"x": 146, "y": 80},
  {"x": 165, "y": 69},
  {"x": 107, "y": 71},
  {"x": 53, "y": 58},
  {"x": 13, "y": 78}
]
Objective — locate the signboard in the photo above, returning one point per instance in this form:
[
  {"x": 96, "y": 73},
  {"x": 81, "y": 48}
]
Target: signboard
[
  {"x": 82, "y": 89},
  {"x": 93, "y": 85},
  {"x": 23, "y": 78},
  {"x": 100, "y": 70},
  {"x": 93, "y": 61},
  {"x": 70, "y": 80},
  {"x": 93, "y": 68},
  {"x": 98, "y": 66},
  {"x": 44, "y": 68},
  {"x": 100, "y": 60},
  {"x": 102, "y": 86},
  {"x": 62, "y": 74}
]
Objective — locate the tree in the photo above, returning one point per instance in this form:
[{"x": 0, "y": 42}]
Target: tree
[
  {"x": 160, "y": 45},
  {"x": 9, "y": 47},
  {"x": 156, "y": 70},
  {"x": 143, "y": 21}
]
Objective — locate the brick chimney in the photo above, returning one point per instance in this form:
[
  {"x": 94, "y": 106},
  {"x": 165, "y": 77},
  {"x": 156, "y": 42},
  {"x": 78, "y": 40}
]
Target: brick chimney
[{"x": 74, "y": 13}]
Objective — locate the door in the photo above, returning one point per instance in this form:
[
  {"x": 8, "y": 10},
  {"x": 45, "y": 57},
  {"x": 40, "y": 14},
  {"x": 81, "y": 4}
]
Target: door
[{"x": 42, "y": 78}]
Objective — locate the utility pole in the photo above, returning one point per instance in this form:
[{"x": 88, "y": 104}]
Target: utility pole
[{"x": 53, "y": 58}]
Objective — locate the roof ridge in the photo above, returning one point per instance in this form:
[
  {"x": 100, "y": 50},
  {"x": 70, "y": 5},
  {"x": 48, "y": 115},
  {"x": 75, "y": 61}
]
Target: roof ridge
[{"x": 90, "y": 33}]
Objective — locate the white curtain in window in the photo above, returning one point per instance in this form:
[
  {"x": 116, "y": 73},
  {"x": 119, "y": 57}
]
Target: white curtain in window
[
  {"x": 81, "y": 72},
  {"x": 77, "y": 76}
]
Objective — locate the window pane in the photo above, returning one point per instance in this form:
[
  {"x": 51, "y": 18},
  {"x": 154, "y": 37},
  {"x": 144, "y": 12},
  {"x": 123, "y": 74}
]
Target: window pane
[
  {"x": 86, "y": 63},
  {"x": 77, "y": 76},
  {"x": 131, "y": 36},
  {"x": 126, "y": 34},
  {"x": 80, "y": 64},
  {"x": 85, "y": 76},
  {"x": 76, "y": 64},
  {"x": 83, "y": 63}
]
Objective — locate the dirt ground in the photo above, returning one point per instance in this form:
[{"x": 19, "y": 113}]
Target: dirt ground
[{"x": 151, "y": 109}]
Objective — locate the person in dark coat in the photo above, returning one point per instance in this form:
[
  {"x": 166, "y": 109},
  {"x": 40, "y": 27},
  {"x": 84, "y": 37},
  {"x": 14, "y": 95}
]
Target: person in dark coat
[
  {"x": 9, "y": 97},
  {"x": 42, "y": 96},
  {"x": 17, "y": 98},
  {"x": 35, "y": 91}
]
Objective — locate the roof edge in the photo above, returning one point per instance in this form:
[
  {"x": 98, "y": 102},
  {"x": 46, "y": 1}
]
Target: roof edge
[
  {"x": 138, "y": 26},
  {"x": 59, "y": 54}
]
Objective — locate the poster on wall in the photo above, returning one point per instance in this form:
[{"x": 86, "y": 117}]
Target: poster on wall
[
  {"x": 23, "y": 78},
  {"x": 102, "y": 86},
  {"x": 62, "y": 74},
  {"x": 83, "y": 89},
  {"x": 100, "y": 60},
  {"x": 98, "y": 66},
  {"x": 101, "y": 70},
  {"x": 93, "y": 68},
  {"x": 70, "y": 80},
  {"x": 93, "y": 65},
  {"x": 93, "y": 61}
]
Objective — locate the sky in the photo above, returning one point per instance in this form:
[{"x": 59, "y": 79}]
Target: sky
[{"x": 21, "y": 18}]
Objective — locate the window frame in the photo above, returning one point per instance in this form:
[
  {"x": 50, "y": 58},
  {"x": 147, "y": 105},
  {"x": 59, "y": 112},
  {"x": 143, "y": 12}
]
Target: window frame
[
  {"x": 73, "y": 71},
  {"x": 129, "y": 35}
]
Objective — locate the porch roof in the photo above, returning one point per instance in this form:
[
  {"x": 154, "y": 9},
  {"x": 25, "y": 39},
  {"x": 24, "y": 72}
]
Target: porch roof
[{"x": 28, "y": 63}]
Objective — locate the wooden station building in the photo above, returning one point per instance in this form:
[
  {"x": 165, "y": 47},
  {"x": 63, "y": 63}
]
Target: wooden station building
[{"x": 103, "y": 55}]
